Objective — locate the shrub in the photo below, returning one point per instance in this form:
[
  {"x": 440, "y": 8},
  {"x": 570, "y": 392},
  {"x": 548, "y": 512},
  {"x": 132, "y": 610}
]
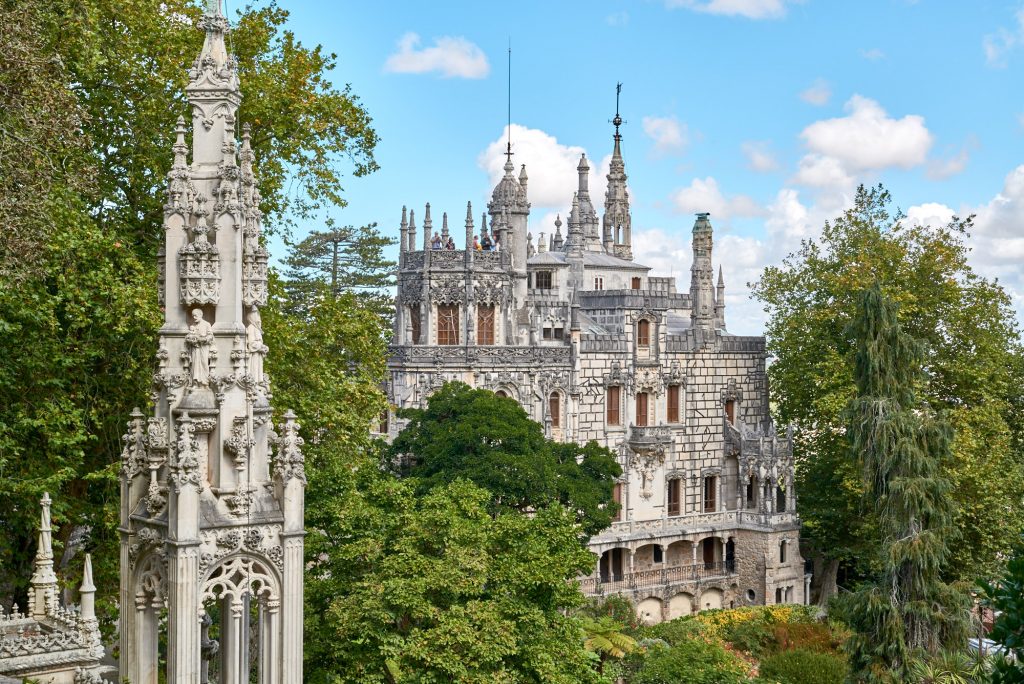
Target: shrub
[
  {"x": 801, "y": 666},
  {"x": 690, "y": 662},
  {"x": 806, "y": 636}
]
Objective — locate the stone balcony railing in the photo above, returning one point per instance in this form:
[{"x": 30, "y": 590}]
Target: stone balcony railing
[
  {"x": 649, "y": 436},
  {"x": 690, "y": 523},
  {"x": 657, "y": 577},
  {"x": 454, "y": 259},
  {"x": 489, "y": 354}
]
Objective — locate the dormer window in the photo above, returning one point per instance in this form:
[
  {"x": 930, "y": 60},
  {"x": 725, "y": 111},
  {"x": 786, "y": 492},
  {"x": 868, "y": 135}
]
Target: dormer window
[{"x": 542, "y": 280}]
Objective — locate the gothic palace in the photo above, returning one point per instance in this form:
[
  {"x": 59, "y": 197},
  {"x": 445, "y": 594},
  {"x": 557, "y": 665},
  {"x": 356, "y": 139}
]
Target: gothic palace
[{"x": 595, "y": 348}]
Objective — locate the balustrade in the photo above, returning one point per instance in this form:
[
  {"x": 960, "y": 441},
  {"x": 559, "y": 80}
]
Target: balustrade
[{"x": 658, "y": 577}]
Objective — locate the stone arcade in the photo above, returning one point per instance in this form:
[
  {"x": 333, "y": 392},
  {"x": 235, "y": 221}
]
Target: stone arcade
[
  {"x": 595, "y": 348},
  {"x": 211, "y": 519}
]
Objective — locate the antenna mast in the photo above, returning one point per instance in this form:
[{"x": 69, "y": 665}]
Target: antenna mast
[
  {"x": 508, "y": 149},
  {"x": 618, "y": 119}
]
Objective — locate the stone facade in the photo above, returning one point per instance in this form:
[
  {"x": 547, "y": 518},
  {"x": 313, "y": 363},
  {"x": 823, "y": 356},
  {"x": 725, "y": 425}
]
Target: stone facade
[
  {"x": 595, "y": 348},
  {"x": 51, "y": 643},
  {"x": 212, "y": 493}
]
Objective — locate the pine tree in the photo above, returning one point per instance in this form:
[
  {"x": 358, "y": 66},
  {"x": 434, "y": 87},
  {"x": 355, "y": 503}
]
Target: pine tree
[{"x": 900, "y": 444}]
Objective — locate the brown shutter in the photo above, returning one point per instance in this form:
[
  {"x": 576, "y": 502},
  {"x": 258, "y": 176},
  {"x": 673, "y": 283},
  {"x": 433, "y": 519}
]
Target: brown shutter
[
  {"x": 612, "y": 399},
  {"x": 641, "y": 408},
  {"x": 673, "y": 404}
]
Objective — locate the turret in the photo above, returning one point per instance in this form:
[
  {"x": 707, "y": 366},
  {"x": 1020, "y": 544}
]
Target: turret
[
  {"x": 586, "y": 217},
  {"x": 617, "y": 222},
  {"x": 702, "y": 296}
]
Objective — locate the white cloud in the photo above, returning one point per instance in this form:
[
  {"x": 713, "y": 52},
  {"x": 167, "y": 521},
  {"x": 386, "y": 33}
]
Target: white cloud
[
  {"x": 617, "y": 18},
  {"x": 551, "y": 167},
  {"x": 818, "y": 94},
  {"x": 998, "y": 45},
  {"x": 759, "y": 157},
  {"x": 873, "y": 54},
  {"x": 820, "y": 171},
  {"x": 868, "y": 138},
  {"x": 940, "y": 169},
  {"x": 750, "y": 9},
  {"x": 704, "y": 195},
  {"x": 450, "y": 56},
  {"x": 668, "y": 134},
  {"x": 929, "y": 214}
]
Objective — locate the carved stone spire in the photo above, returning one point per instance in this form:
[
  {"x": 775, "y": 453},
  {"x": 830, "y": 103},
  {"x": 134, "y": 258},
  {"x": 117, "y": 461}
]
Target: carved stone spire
[
  {"x": 44, "y": 582},
  {"x": 428, "y": 223},
  {"x": 403, "y": 231},
  {"x": 702, "y": 292},
  {"x": 469, "y": 225},
  {"x": 87, "y": 591},
  {"x": 720, "y": 301},
  {"x": 617, "y": 224}
]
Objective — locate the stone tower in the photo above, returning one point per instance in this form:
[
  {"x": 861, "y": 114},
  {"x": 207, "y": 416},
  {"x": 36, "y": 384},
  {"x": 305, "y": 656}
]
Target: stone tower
[{"x": 211, "y": 518}]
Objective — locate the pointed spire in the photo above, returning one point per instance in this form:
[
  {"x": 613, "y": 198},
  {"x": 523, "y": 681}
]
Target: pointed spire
[
  {"x": 483, "y": 223},
  {"x": 44, "y": 581},
  {"x": 428, "y": 224},
  {"x": 702, "y": 296},
  {"x": 720, "y": 301},
  {"x": 556, "y": 239},
  {"x": 87, "y": 591},
  {"x": 523, "y": 178},
  {"x": 583, "y": 169},
  {"x": 180, "y": 148},
  {"x": 403, "y": 232}
]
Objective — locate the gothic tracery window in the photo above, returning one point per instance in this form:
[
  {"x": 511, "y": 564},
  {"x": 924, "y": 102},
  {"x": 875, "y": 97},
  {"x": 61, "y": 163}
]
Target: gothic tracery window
[
  {"x": 448, "y": 324},
  {"x": 414, "y": 319},
  {"x": 485, "y": 324}
]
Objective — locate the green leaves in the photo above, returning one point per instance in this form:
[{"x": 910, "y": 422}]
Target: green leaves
[{"x": 489, "y": 440}]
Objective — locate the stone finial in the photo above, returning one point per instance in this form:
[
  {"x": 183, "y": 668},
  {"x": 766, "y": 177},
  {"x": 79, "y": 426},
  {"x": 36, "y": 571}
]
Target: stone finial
[
  {"x": 483, "y": 223},
  {"x": 44, "y": 582},
  {"x": 403, "y": 232},
  {"x": 87, "y": 591},
  {"x": 523, "y": 178}
]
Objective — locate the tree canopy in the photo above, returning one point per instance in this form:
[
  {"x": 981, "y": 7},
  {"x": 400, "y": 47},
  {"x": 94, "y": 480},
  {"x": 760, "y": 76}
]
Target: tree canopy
[
  {"x": 899, "y": 445},
  {"x": 492, "y": 442},
  {"x": 91, "y": 89},
  {"x": 974, "y": 373}
]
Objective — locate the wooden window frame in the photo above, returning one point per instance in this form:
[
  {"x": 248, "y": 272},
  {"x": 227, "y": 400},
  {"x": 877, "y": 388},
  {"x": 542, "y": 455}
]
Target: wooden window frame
[
  {"x": 617, "y": 489},
  {"x": 544, "y": 280},
  {"x": 613, "y": 405},
  {"x": 643, "y": 416},
  {"x": 485, "y": 324},
  {"x": 674, "y": 497},
  {"x": 672, "y": 412},
  {"x": 643, "y": 333},
  {"x": 555, "y": 409},
  {"x": 447, "y": 313},
  {"x": 635, "y": 284},
  {"x": 710, "y": 493}
]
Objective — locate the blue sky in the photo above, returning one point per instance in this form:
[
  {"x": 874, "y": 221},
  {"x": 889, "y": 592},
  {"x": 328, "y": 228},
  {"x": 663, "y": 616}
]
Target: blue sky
[{"x": 765, "y": 112}]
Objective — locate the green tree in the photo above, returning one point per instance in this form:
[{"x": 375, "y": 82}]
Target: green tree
[
  {"x": 91, "y": 89},
  {"x": 490, "y": 441},
  {"x": 346, "y": 259},
  {"x": 605, "y": 638},
  {"x": 899, "y": 444},
  {"x": 431, "y": 588},
  {"x": 973, "y": 356},
  {"x": 1007, "y": 597}
]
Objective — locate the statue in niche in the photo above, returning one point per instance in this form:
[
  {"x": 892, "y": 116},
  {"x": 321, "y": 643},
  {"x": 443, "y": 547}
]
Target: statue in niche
[
  {"x": 198, "y": 340},
  {"x": 254, "y": 345}
]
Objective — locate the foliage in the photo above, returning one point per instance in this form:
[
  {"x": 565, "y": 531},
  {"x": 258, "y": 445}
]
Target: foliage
[
  {"x": 721, "y": 623},
  {"x": 346, "y": 260},
  {"x": 491, "y": 441},
  {"x": 900, "y": 445},
  {"x": 616, "y": 607},
  {"x": 801, "y": 666},
  {"x": 604, "y": 636},
  {"x": 974, "y": 366},
  {"x": 949, "y": 667},
  {"x": 431, "y": 588},
  {"x": 690, "y": 662},
  {"x": 1007, "y": 597},
  {"x": 91, "y": 89}
]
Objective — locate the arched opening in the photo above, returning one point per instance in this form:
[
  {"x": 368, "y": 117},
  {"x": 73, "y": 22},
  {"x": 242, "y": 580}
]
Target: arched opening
[
  {"x": 612, "y": 564},
  {"x": 649, "y": 611},
  {"x": 711, "y": 599},
  {"x": 150, "y": 620},
  {"x": 730, "y": 411},
  {"x": 751, "y": 494},
  {"x": 414, "y": 321},
  {"x": 501, "y": 393},
  {"x": 485, "y": 324},
  {"x": 242, "y": 640},
  {"x": 780, "y": 499},
  {"x": 680, "y": 605},
  {"x": 730, "y": 555}
]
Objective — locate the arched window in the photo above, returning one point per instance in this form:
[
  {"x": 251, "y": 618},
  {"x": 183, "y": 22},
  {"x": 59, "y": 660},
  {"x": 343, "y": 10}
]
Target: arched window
[
  {"x": 448, "y": 324},
  {"x": 414, "y": 319},
  {"x": 484, "y": 324},
  {"x": 555, "y": 409},
  {"x": 643, "y": 333},
  {"x": 502, "y": 393}
]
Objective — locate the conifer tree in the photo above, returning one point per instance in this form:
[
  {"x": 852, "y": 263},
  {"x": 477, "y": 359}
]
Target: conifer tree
[{"x": 900, "y": 445}]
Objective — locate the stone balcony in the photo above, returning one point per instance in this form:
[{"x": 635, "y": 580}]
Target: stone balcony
[
  {"x": 643, "y": 437},
  {"x": 657, "y": 578},
  {"x": 455, "y": 259},
  {"x": 690, "y": 524}
]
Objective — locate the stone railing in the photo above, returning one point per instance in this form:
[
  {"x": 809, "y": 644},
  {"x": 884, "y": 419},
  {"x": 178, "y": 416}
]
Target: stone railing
[
  {"x": 454, "y": 259},
  {"x": 496, "y": 354},
  {"x": 649, "y": 435},
  {"x": 697, "y": 524},
  {"x": 657, "y": 577}
]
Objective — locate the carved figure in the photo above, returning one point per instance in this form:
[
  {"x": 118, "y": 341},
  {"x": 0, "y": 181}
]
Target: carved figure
[
  {"x": 254, "y": 345},
  {"x": 198, "y": 340}
]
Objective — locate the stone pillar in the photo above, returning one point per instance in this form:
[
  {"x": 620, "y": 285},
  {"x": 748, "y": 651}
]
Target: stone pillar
[
  {"x": 230, "y": 640},
  {"x": 146, "y": 637},
  {"x": 183, "y": 654},
  {"x": 129, "y": 618},
  {"x": 291, "y": 624},
  {"x": 270, "y": 628}
]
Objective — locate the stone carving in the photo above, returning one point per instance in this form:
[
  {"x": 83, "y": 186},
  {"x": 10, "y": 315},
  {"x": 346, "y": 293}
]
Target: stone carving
[
  {"x": 199, "y": 340},
  {"x": 448, "y": 291},
  {"x": 199, "y": 265},
  {"x": 254, "y": 345},
  {"x": 290, "y": 462},
  {"x": 185, "y": 470},
  {"x": 135, "y": 453}
]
